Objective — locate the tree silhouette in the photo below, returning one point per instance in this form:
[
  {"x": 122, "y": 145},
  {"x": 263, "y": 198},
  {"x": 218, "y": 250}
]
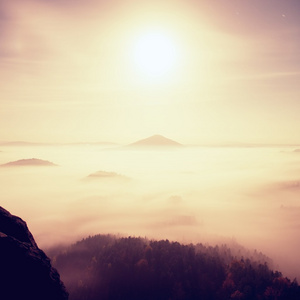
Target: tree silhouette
[{"x": 106, "y": 267}]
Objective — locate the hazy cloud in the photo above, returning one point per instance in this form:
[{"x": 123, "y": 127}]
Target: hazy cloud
[{"x": 210, "y": 194}]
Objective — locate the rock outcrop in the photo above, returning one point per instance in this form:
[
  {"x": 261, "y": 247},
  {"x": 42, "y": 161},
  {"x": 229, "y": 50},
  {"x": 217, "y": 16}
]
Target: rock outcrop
[{"x": 25, "y": 270}]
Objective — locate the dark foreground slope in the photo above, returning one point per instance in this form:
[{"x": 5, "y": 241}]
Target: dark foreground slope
[
  {"x": 25, "y": 270},
  {"x": 106, "y": 267}
]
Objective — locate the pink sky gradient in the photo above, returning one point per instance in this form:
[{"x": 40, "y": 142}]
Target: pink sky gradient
[{"x": 67, "y": 71}]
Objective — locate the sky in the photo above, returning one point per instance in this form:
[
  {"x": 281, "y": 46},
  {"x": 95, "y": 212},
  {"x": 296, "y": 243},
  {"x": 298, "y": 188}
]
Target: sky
[{"x": 205, "y": 71}]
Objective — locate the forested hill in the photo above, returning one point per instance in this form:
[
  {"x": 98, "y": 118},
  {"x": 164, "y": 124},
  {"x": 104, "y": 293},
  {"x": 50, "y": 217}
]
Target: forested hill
[{"x": 106, "y": 267}]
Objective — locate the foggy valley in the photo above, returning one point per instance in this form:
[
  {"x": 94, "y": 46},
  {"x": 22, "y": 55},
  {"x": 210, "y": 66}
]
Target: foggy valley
[{"x": 245, "y": 195}]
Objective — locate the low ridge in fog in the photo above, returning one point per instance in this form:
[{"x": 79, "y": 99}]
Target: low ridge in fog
[
  {"x": 29, "y": 162},
  {"x": 156, "y": 141},
  {"x": 106, "y": 175}
]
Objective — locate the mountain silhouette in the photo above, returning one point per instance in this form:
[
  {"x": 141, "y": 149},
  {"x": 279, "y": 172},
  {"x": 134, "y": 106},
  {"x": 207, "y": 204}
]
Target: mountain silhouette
[
  {"x": 28, "y": 162},
  {"x": 156, "y": 141},
  {"x": 26, "y": 271}
]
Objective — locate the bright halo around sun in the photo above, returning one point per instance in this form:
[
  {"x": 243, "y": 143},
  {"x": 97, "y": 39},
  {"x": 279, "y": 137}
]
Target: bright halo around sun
[{"x": 155, "y": 54}]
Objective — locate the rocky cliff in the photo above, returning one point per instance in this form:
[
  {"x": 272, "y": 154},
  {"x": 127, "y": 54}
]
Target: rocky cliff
[{"x": 25, "y": 270}]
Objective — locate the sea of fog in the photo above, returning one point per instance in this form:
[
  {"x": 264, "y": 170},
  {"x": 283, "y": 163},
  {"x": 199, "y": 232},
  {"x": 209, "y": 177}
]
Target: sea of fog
[{"x": 194, "y": 194}]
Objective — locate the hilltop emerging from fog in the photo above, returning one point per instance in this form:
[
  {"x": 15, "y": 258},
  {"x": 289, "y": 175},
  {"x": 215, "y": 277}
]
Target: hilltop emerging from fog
[
  {"x": 28, "y": 162},
  {"x": 106, "y": 176},
  {"x": 156, "y": 141}
]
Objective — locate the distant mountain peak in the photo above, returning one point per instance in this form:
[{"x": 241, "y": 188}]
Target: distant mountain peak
[{"x": 157, "y": 140}]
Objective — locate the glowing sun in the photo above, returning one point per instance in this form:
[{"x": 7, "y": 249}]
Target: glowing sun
[{"x": 155, "y": 54}]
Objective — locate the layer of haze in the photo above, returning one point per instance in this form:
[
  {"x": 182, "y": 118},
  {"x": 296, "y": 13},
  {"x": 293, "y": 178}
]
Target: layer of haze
[
  {"x": 68, "y": 71},
  {"x": 191, "y": 194}
]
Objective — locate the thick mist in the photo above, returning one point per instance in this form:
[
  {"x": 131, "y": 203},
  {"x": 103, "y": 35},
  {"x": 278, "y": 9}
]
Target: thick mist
[{"x": 193, "y": 194}]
